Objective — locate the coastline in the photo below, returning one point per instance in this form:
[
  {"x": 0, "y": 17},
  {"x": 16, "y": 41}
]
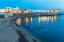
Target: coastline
[
  {"x": 10, "y": 32},
  {"x": 27, "y": 35},
  {"x": 7, "y": 33},
  {"x": 21, "y": 38}
]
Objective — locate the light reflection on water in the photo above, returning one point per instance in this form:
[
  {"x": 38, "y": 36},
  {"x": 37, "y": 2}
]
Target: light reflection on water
[
  {"x": 18, "y": 21},
  {"x": 43, "y": 19},
  {"x": 44, "y": 28}
]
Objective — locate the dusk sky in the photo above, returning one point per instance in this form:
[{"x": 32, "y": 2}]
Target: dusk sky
[{"x": 34, "y": 4}]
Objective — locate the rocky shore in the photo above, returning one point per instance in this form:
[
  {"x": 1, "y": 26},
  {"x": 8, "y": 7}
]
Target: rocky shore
[
  {"x": 7, "y": 33},
  {"x": 10, "y": 32}
]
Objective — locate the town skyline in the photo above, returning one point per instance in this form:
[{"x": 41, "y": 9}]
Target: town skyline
[
  {"x": 21, "y": 10},
  {"x": 36, "y": 4}
]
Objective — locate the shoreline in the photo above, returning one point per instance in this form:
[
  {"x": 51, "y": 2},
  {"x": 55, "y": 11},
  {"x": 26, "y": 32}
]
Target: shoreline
[
  {"x": 15, "y": 32},
  {"x": 7, "y": 33},
  {"x": 27, "y": 35},
  {"x": 21, "y": 38}
]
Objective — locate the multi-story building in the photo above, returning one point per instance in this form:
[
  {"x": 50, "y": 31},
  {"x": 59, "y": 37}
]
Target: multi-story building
[
  {"x": 15, "y": 10},
  {"x": 2, "y": 10},
  {"x": 8, "y": 10},
  {"x": 11, "y": 10}
]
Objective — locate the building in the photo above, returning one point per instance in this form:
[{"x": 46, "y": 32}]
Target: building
[
  {"x": 11, "y": 10},
  {"x": 15, "y": 10},
  {"x": 2, "y": 10},
  {"x": 8, "y": 10}
]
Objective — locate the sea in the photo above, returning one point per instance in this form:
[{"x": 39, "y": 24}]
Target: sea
[{"x": 44, "y": 28}]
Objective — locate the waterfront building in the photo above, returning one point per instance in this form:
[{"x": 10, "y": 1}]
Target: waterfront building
[
  {"x": 38, "y": 10},
  {"x": 19, "y": 11},
  {"x": 43, "y": 11},
  {"x": 25, "y": 11},
  {"x": 8, "y": 10},
  {"x": 15, "y": 10},
  {"x": 2, "y": 10},
  {"x": 22, "y": 10},
  {"x": 29, "y": 11},
  {"x": 11, "y": 10},
  {"x": 33, "y": 11}
]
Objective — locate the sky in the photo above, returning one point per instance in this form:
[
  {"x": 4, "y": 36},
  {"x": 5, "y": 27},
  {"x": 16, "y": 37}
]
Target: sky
[{"x": 33, "y": 4}]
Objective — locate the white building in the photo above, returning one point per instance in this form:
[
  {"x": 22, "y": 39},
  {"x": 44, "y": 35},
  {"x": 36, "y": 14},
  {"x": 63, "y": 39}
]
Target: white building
[
  {"x": 15, "y": 10},
  {"x": 34, "y": 10},
  {"x": 2, "y": 10}
]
